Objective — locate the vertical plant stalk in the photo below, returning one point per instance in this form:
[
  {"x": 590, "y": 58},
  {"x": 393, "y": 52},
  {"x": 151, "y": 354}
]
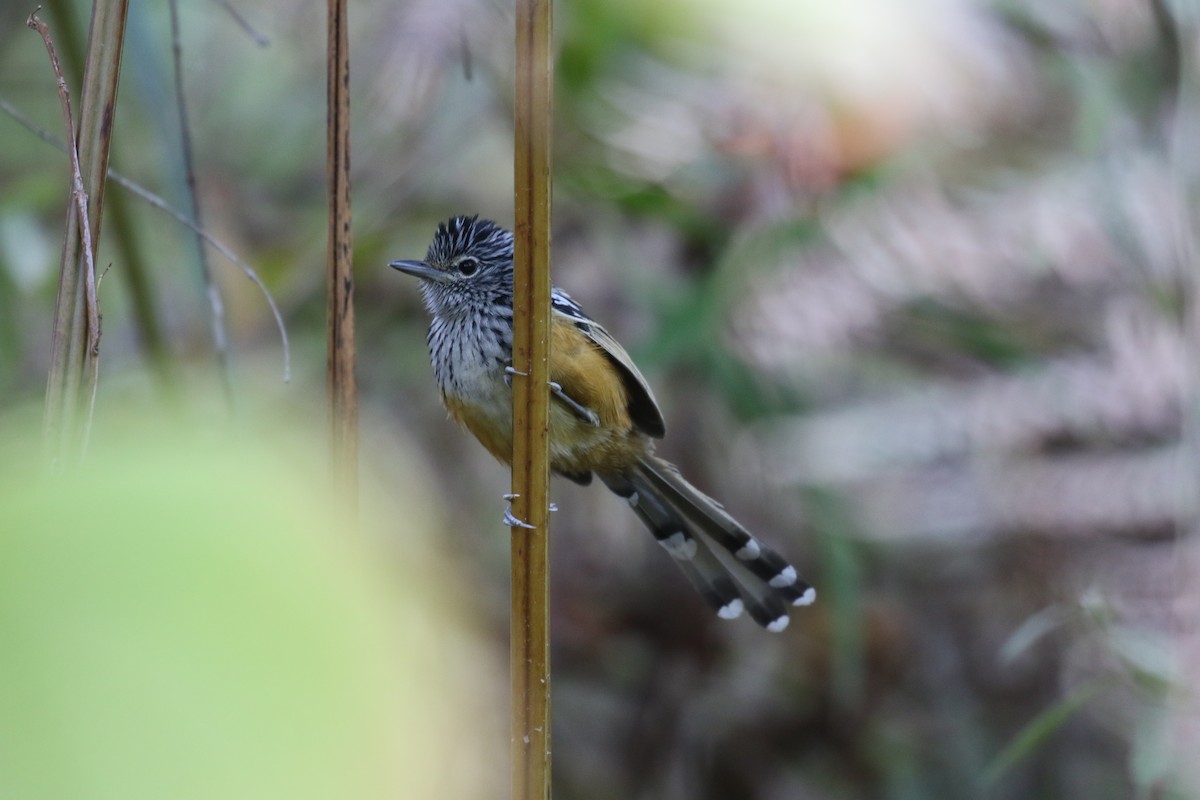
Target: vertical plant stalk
[
  {"x": 74, "y": 349},
  {"x": 134, "y": 269},
  {"x": 343, "y": 398},
  {"x": 530, "y": 629},
  {"x": 215, "y": 304}
]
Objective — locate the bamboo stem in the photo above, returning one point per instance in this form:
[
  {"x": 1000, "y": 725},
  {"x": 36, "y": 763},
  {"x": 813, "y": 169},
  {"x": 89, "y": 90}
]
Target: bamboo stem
[
  {"x": 343, "y": 399},
  {"x": 530, "y": 632}
]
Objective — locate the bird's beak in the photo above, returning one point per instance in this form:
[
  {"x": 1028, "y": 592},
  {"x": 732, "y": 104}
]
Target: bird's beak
[{"x": 420, "y": 270}]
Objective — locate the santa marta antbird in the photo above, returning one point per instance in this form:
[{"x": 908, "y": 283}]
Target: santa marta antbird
[{"x": 603, "y": 417}]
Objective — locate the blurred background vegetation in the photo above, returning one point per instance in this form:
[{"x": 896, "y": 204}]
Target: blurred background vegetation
[{"x": 914, "y": 283}]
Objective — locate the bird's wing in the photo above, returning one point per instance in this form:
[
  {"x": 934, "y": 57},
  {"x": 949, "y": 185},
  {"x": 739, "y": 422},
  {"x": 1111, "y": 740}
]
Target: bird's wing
[{"x": 643, "y": 408}]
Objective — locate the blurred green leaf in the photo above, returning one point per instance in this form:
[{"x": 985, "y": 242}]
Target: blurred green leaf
[
  {"x": 938, "y": 328},
  {"x": 840, "y": 591},
  {"x": 1148, "y": 654},
  {"x": 188, "y": 619},
  {"x": 1032, "y": 631},
  {"x": 1040, "y": 729},
  {"x": 1150, "y": 758}
]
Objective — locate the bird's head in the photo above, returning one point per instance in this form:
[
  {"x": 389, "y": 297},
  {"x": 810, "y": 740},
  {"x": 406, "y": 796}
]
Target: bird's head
[{"x": 470, "y": 261}]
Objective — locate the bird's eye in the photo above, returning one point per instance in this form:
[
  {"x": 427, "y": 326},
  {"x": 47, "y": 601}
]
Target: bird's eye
[{"x": 468, "y": 266}]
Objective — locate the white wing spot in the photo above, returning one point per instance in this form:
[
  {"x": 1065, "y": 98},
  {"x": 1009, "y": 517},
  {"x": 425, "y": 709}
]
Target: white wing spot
[{"x": 632, "y": 500}]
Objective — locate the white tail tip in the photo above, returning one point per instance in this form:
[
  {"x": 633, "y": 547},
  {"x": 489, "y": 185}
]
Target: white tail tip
[
  {"x": 778, "y": 625},
  {"x": 785, "y": 578},
  {"x": 732, "y": 609},
  {"x": 680, "y": 546},
  {"x": 749, "y": 551},
  {"x": 806, "y": 599}
]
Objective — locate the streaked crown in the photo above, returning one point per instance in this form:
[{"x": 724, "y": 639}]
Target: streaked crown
[
  {"x": 464, "y": 239},
  {"x": 468, "y": 269}
]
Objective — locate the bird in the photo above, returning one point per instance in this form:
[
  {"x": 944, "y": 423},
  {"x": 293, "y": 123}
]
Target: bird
[{"x": 604, "y": 418}]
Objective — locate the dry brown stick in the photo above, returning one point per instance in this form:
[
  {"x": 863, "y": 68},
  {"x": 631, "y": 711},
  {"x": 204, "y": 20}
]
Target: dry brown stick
[
  {"x": 91, "y": 352},
  {"x": 530, "y": 622},
  {"x": 80, "y": 196},
  {"x": 162, "y": 205},
  {"x": 340, "y": 381}
]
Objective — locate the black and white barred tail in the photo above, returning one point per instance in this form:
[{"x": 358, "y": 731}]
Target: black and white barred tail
[{"x": 732, "y": 570}]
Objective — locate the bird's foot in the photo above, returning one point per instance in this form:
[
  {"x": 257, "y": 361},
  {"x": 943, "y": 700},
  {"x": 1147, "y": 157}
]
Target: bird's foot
[
  {"x": 509, "y": 371},
  {"x": 583, "y": 412},
  {"x": 511, "y": 520}
]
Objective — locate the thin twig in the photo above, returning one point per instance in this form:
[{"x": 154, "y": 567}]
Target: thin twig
[
  {"x": 464, "y": 46},
  {"x": 81, "y": 207},
  {"x": 162, "y": 205},
  {"x": 216, "y": 306},
  {"x": 258, "y": 38}
]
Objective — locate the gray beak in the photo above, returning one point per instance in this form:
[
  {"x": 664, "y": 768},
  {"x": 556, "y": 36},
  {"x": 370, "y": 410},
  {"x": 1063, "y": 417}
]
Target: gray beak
[{"x": 420, "y": 270}]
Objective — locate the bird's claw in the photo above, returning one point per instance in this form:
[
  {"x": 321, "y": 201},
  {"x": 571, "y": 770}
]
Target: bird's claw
[
  {"x": 511, "y": 519},
  {"x": 584, "y": 413},
  {"x": 512, "y": 522},
  {"x": 509, "y": 371}
]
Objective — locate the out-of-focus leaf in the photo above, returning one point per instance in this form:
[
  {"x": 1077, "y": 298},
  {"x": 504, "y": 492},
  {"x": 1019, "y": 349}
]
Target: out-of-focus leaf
[
  {"x": 1147, "y": 654},
  {"x": 597, "y": 34},
  {"x": 927, "y": 323},
  {"x": 840, "y": 591},
  {"x": 1151, "y": 752},
  {"x": 1040, "y": 729},
  {"x": 189, "y": 619},
  {"x": 1032, "y": 631}
]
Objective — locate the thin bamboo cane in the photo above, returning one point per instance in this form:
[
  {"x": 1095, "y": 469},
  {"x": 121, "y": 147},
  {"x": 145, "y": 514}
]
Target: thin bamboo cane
[{"x": 530, "y": 632}]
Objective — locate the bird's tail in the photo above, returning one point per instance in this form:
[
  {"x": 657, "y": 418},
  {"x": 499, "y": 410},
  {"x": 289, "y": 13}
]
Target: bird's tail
[{"x": 730, "y": 568}]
